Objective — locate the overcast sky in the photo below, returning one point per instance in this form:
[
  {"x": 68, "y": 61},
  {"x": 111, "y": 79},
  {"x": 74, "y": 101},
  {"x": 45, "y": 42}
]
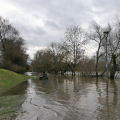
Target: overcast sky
[{"x": 41, "y": 22}]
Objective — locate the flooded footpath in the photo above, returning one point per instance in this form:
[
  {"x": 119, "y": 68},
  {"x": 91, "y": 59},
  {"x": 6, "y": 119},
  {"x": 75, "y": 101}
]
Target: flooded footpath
[{"x": 64, "y": 98}]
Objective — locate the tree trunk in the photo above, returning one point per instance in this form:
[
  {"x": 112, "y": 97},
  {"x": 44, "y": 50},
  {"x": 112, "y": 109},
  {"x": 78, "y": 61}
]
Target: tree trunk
[
  {"x": 72, "y": 73},
  {"x": 114, "y": 67},
  {"x": 96, "y": 67}
]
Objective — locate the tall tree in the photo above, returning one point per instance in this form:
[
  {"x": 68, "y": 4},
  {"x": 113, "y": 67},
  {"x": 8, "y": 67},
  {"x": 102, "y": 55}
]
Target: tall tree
[
  {"x": 12, "y": 46},
  {"x": 6, "y": 32},
  {"x": 73, "y": 44},
  {"x": 113, "y": 47},
  {"x": 50, "y": 59},
  {"x": 97, "y": 36}
]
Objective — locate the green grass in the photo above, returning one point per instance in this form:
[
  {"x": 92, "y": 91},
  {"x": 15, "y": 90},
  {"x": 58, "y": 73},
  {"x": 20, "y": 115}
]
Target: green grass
[
  {"x": 9, "y": 106},
  {"x": 9, "y": 79}
]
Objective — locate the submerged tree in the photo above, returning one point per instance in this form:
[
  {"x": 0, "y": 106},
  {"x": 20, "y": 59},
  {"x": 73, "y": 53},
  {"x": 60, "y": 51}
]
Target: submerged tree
[
  {"x": 113, "y": 46},
  {"x": 50, "y": 59},
  {"x": 42, "y": 60},
  {"x": 73, "y": 44},
  {"x": 97, "y": 36}
]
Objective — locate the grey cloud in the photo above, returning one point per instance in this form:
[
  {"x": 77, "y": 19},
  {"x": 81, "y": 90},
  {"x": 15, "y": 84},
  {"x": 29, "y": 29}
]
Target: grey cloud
[
  {"x": 53, "y": 16},
  {"x": 52, "y": 24}
]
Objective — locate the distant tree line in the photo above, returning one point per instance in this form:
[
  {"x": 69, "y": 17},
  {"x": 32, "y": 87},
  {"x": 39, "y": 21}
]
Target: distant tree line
[
  {"x": 12, "y": 48},
  {"x": 69, "y": 54}
]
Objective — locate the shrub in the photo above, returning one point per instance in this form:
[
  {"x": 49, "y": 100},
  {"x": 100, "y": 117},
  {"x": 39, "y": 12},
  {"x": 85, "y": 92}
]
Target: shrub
[
  {"x": 18, "y": 69},
  {"x": 5, "y": 64}
]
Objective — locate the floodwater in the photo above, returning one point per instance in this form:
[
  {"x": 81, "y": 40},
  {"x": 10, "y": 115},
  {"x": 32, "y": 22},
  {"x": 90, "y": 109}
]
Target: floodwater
[{"x": 64, "y": 98}]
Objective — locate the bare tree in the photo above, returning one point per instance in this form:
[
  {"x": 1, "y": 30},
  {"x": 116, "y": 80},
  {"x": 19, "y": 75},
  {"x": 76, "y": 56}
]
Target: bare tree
[
  {"x": 58, "y": 56},
  {"x": 73, "y": 44},
  {"x": 6, "y": 32},
  {"x": 113, "y": 47},
  {"x": 50, "y": 59},
  {"x": 97, "y": 36}
]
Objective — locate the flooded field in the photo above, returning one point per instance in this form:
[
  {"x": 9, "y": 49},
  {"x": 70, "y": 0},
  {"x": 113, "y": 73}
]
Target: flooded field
[{"x": 64, "y": 98}]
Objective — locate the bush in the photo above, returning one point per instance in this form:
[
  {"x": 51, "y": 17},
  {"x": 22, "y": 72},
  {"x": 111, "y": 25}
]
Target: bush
[
  {"x": 5, "y": 64},
  {"x": 13, "y": 67},
  {"x": 18, "y": 69}
]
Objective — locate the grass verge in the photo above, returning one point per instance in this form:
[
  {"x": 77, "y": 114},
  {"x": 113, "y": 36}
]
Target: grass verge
[
  {"x": 9, "y": 106},
  {"x": 9, "y": 79}
]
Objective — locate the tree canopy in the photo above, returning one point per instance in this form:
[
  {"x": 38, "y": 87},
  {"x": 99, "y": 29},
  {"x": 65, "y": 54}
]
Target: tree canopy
[{"x": 12, "y": 48}]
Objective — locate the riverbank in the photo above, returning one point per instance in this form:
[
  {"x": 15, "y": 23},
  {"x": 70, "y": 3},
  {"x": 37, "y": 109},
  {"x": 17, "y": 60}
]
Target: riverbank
[
  {"x": 9, "y": 79},
  {"x": 9, "y": 106}
]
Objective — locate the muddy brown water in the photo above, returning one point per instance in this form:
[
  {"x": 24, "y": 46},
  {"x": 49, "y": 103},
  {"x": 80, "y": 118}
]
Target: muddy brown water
[{"x": 64, "y": 98}]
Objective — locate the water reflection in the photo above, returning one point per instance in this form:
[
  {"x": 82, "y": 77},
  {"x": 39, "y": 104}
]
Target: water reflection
[
  {"x": 64, "y": 97},
  {"x": 17, "y": 90}
]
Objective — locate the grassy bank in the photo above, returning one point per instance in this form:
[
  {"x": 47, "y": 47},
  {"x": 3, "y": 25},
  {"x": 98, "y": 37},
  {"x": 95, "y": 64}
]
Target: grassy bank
[{"x": 9, "y": 79}]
